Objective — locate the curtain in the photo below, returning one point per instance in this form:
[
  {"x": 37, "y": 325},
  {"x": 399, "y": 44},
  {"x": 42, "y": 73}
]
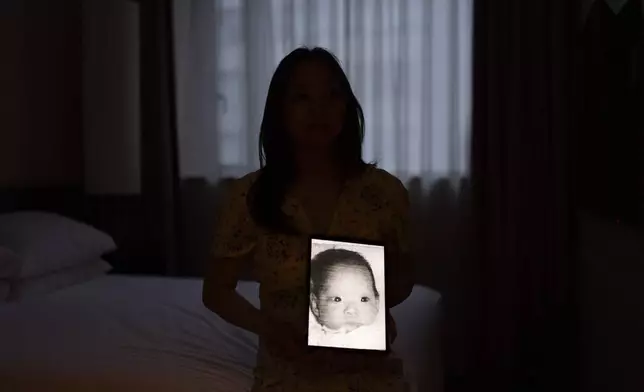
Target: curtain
[
  {"x": 611, "y": 216},
  {"x": 409, "y": 63},
  {"x": 515, "y": 322},
  {"x": 608, "y": 66},
  {"x": 159, "y": 166}
]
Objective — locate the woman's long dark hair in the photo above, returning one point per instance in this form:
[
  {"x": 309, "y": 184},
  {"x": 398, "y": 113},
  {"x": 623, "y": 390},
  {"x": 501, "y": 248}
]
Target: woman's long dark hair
[{"x": 276, "y": 150}]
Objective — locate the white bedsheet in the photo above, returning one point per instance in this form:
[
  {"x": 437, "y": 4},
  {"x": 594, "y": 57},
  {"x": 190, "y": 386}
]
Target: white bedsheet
[{"x": 130, "y": 333}]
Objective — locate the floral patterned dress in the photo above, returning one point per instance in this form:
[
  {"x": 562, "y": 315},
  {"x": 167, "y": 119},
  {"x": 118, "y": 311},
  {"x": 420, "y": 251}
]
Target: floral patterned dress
[{"x": 373, "y": 207}]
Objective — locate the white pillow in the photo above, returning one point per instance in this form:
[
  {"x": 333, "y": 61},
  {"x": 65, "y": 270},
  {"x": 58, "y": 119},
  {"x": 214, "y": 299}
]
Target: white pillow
[
  {"x": 36, "y": 243},
  {"x": 45, "y": 284}
]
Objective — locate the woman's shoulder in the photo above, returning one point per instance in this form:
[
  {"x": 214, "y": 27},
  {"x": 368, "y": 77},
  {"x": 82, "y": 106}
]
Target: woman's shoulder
[
  {"x": 385, "y": 183},
  {"x": 240, "y": 186},
  {"x": 383, "y": 177},
  {"x": 235, "y": 190}
]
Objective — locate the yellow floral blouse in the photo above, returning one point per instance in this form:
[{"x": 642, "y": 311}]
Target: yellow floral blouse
[{"x": 372, "y": 207}]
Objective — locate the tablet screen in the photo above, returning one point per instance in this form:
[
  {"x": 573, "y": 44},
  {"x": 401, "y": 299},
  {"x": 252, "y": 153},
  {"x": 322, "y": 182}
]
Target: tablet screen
[{"x": 347, "y": 295}]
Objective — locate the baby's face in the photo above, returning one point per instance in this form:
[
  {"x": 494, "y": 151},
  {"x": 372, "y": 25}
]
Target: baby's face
[{"x": 349, "y": 300}]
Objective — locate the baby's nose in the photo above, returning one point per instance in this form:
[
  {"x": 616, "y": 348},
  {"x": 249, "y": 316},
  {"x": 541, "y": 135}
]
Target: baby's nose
[{"x": 350, "y": 310}]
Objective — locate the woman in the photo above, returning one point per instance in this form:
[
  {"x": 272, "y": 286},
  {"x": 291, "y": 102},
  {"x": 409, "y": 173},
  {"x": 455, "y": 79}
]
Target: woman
[{"x": 312, "y": 181}]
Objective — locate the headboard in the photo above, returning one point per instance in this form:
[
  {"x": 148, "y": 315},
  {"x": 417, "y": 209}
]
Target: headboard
[{"x": 70, "y": 202}]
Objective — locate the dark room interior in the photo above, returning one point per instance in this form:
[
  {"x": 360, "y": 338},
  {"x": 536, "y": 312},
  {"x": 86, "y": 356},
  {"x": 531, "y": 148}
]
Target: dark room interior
[{"x": 515, "y": 127}]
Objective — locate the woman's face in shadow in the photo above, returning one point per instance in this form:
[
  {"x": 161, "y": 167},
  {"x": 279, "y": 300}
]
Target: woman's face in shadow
[{"x": 315, "y": 107}]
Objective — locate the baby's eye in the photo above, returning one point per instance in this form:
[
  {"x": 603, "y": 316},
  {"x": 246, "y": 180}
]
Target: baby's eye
[
  {"x": 337, "y": 299},
  {"x": 364, "y": 299}
]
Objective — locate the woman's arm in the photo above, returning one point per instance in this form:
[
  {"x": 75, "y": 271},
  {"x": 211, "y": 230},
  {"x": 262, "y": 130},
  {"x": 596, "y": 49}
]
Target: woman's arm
[
  {"x": 233, "y": 245},
  {"x": 400, "y": 280},
  {"x": 399, "y": 267},
  {"x": 220, "y": 296}
]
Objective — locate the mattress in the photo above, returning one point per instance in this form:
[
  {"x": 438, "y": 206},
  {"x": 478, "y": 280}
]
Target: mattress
[{"x": 132, "y": 333}]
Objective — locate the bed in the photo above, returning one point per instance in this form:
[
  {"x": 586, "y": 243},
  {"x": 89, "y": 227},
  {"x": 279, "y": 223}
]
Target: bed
[
  {"x": 74, "y": 327},
  {"x": 130, "y": 333}
]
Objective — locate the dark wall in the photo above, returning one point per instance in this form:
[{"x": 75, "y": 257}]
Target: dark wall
[
  {"x": 40, "y": 98},
  {"x": 60, "y": 136}
]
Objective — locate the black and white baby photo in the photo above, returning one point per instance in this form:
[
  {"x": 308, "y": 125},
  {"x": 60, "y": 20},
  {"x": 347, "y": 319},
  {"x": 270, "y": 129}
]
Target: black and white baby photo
[{"x": 347, "y": 295}]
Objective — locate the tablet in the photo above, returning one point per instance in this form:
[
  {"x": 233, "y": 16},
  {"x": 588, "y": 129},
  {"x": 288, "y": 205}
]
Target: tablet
[{"x": 347, "y": 299}]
